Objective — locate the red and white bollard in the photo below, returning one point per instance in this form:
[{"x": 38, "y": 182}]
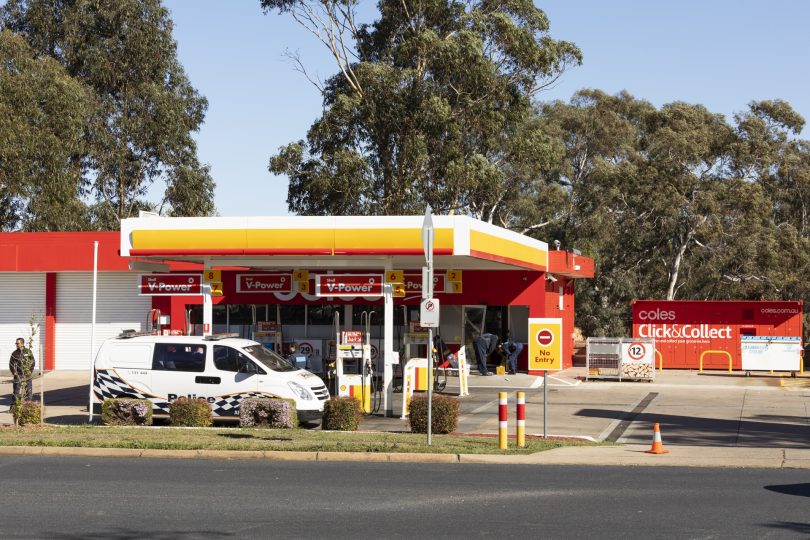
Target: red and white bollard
[
  {"x": 503, "y": 422},
  {"x": 521, "y": 419}
]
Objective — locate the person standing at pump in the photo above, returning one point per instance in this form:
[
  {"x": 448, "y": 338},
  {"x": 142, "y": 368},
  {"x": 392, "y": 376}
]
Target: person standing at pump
[
  {"x": 21, "y": 364},
  {"x": 484, "y": 345}
]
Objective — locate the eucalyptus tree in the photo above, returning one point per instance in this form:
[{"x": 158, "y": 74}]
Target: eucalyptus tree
[
  {"x": 43, "y": 112},
  {"x": 430, "y": 103},
  {"x": 146, "y": 108}
]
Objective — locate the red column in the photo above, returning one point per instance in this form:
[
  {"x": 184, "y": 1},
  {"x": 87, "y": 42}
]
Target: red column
[{"x": 50, "y": 321}]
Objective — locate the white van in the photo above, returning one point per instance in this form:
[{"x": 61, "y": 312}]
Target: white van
[{"x": 221, "y": 369}]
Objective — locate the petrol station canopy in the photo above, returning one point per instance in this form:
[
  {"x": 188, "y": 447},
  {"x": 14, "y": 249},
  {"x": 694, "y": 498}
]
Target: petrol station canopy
[{"x": 318, "y": 242}]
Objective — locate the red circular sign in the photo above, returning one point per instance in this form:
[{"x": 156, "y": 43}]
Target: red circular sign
[
  {"x": 636, "y": 350},
  {"x": 545, "y": 338}
]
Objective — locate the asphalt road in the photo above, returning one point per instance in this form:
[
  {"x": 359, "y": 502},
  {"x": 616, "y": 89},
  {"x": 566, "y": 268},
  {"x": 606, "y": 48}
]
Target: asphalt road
[{"x": 162, "y": 498}]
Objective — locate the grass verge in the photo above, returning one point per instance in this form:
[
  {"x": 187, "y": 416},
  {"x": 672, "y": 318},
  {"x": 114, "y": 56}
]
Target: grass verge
[{"x": 234, "y": 438}]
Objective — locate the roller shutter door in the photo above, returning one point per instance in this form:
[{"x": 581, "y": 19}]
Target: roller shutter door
[
  {"x": 21, "y": 296},
  {"x": 118, "y": 307}
]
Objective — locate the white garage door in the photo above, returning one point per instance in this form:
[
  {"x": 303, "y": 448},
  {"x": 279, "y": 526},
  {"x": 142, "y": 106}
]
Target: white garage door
[
  {"x": 118, "y": 307},
  {"x": 23, "y": 297}
]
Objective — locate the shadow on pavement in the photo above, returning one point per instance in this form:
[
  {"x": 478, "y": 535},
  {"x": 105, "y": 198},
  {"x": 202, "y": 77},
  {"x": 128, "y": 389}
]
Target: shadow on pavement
[
  {"x": 799, "y": 490},
  {"x": 792, "y": 526},
  {"x": 67, "y": 397},
  {"x": 697, "y": 431}
]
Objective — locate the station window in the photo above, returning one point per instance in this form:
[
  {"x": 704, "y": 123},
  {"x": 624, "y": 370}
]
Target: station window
[
  {"x": 179, "y": 357},
  {"x": 323, "y": 314},
  {"x": 240, "y": 314},
  {"x": 292, "y": 314},
  {"x": 379, "y": 314}
]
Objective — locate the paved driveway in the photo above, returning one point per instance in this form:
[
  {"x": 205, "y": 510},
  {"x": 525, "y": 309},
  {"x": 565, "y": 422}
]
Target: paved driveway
[{"x": 712, "y": 409}]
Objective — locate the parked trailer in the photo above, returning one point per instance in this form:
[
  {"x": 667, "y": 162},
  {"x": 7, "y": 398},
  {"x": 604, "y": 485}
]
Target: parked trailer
[{"x": 694, "y": 334}]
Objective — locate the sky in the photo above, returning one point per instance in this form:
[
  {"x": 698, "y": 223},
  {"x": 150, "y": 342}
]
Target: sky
[{"x": 720, "y": 53}]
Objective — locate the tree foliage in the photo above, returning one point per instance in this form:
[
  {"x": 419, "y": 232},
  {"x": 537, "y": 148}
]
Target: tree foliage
[
  {"x": 42, "y": 115},
  {"x": 677, "y": 203},
  {"x": 144, "y": 113},
  {"x": 431, "y": 104}
]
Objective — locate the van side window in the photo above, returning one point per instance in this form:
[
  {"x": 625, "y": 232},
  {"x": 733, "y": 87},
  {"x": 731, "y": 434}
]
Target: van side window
[
  {"x": 229, "y": 359},
  {"x": 179, "y": 357}
]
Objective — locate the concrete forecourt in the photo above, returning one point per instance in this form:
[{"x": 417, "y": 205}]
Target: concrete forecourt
[{"x": 707, "y": 420}]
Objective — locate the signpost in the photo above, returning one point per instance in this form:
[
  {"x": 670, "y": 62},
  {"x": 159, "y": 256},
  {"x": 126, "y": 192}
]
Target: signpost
[
  {"x": 545, "y": 352},
  {"x": 427, "y": 297}
]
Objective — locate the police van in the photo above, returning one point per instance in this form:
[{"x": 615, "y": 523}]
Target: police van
[{"x": 222, "y": 369}]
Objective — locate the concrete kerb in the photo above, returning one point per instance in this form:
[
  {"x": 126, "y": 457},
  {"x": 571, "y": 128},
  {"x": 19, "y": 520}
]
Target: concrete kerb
[{"x": 596, "y": 456}]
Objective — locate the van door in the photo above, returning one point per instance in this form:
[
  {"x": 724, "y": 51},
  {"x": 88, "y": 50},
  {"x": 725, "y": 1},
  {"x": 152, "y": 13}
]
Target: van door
[
  {"x": 178, "y": 369},
  {"x": 238, "y": 378},
  {"x": 132, "y": 362}
]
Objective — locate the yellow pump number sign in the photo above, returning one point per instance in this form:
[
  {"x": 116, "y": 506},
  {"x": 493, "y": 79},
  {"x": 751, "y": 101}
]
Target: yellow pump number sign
[{"x": 545, "y": 344}]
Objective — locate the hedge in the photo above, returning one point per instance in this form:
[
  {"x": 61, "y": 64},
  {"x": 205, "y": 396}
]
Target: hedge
[
  {"x": 26, "y": 412},
  {"x": 268, "y": 413},
  {"x": 341, "y": 414},
  {"x": 189, "y": 412},
  {"x": 126, "y": 412},
  {"x": 444, "y": 417}
]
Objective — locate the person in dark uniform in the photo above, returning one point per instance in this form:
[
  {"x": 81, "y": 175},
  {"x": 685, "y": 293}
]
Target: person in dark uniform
[
  {"x": 484, "y": 345},
  {"x": 291, "y": 356},
  {"x": 21, "y": 365}
]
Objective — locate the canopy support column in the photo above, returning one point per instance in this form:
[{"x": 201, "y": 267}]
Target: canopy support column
[{"x": 388, "y": 343}]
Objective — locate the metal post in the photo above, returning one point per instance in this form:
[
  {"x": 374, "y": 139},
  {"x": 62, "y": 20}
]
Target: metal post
[
  {"x": 545, "y": 404},
  {"x": 388, "y": 345},
  {"x": 92, "y": 332},
  {"x": 430, "y": 387}
]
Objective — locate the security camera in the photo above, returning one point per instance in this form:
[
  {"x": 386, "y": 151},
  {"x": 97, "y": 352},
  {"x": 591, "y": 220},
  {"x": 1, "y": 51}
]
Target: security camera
[
  {"x": 557, "y": 244},
  {"x": 551, "y": 278}
]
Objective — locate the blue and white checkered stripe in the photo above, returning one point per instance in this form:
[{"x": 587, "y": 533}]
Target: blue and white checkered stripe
[{"x": 109, "y": 385}]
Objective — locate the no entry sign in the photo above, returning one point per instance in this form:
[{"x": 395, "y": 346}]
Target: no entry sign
[
  {"x": 170, "y": 284},
  {"x": 545, "y": 337},
  {"x": 545, "y": 345}
]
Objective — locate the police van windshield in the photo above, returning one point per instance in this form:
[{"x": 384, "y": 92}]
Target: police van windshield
[{"x": 269, "y": 358}]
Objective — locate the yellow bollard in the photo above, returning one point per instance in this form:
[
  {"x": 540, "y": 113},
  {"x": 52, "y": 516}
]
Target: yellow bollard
[
  {"x": 521, "y": 419},
  {"x": 502, "y": 421}
]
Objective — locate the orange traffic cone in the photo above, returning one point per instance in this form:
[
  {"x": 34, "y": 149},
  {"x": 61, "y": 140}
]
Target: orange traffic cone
[{"x": 657, "y": 444}]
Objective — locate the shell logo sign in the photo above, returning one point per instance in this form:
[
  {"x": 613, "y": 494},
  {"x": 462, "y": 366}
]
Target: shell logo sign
[{"x": 545, "y": 345}]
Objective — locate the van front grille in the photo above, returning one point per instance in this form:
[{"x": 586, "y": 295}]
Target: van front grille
[{"x": 320, "y": 392}]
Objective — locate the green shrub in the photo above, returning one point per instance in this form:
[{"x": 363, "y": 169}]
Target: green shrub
[
  {"x": 444, "y": 417},
  {"x": 268, "y": 412},
  {"x": 341, "y": 414},
  {"x": 189, "y": 412},
  {"x": 126, "y": 412},
  {"x": 26, "y": 412}
]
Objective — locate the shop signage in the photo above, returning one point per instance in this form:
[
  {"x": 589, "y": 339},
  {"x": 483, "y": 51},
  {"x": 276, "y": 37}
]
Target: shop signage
[
  {"x": 349, "y": 285},
  {"x": 263, "y": 283},
  {"x": 686, "y": 331},
  {"x": 170, "y": 284},
  {"x": 413, "y": 283}
]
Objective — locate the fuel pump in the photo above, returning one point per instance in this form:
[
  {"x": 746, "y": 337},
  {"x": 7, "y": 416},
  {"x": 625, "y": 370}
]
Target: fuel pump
[
  {"x": 376, "y": 390},
  {"x": 268, "y": 333},
  {"x": 353, "y": 365}
]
